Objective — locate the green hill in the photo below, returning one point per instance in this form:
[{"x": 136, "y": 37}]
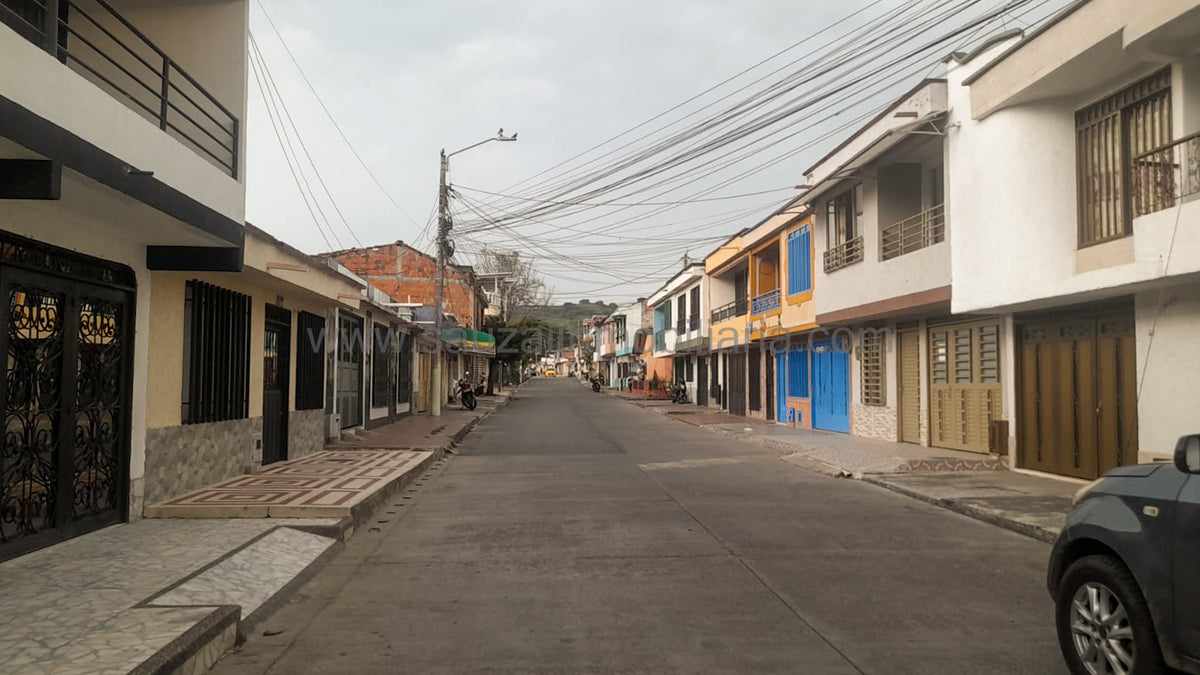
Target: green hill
[{"x": 566, "y": 314}]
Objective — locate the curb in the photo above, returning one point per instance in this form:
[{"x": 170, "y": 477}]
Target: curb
[
  {"x": 186, "y": 653},
  {"x": 980, "y": 514}
]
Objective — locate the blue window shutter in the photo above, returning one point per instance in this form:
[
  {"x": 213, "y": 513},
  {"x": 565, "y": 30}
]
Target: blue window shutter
[
  {"x": 799, "y": 260},
  {"x": 805, "y": 254}
]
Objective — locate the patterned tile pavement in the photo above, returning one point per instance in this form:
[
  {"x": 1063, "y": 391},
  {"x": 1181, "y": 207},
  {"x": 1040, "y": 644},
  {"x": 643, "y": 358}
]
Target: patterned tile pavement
[
  {"x": 88, "y": 605},
  {"x": 325, "y": 484}
]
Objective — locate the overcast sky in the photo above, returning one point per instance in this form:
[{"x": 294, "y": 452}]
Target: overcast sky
[{"x": 405, "y": 79}]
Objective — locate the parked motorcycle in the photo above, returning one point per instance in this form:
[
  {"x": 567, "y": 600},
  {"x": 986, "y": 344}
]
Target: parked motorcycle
[
  {"x": 596, "y": 384},
  {"x": 679, "y": 393},
  {"x": 466, "y": 394}
]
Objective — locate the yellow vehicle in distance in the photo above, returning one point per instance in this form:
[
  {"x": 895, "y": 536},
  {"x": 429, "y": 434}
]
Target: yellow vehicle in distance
[{"x": 551, "y": 373}]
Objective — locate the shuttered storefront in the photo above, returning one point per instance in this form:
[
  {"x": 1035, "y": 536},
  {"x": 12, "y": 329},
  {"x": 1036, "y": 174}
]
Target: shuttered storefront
[
  {"x": 1077, "y": 392},
  {"x": 964, "y": 384}
]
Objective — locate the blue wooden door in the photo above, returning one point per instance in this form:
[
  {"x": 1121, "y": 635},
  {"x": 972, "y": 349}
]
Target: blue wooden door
[
  {"x": 831, "y": 388},
  {"x": 781, "y": 390}
]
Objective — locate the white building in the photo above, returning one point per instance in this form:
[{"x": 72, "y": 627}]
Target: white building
[
  {"x": 681, "y": 328},
  {"x": 1074, "y": 156},
  {"x": 117, "y": 158},
  {"x": 884, "y": 237},
  {"x": 619, "y": 336}
]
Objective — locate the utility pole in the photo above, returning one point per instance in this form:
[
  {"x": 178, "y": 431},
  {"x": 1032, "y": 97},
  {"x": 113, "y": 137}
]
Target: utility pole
[
  {"x": 443, "y": 252},
  {"x": 443, "y": 240}
]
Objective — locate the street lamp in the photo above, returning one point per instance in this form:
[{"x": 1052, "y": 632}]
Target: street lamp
[{"x": 443, "y": 246}]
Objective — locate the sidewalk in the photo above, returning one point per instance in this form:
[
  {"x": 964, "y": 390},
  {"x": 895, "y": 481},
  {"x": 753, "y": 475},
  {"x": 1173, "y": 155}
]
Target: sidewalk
[
  {"x": 174, "y": 593},
  {"x": 424, "y": 432},
  {"x": 979, "y": 486}
]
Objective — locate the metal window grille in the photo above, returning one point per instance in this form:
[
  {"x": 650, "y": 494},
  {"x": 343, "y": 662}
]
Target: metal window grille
[
  {"x": 216, "y": 358},
  {"x": 310, "y": 362},
  {"x": 403, "y": 368},
  {"x": 874, "y": 382},
  {"x": 380, "y": 376},
  {"x": 694, "y": 310},
  {"x": 1108, "y": 135}
]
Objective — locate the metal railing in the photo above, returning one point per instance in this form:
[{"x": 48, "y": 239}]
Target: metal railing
[
  {"x": 738, "y": 307},
  {"x": 765, "y": 302},
  {"x": 844, "y": 254},
  {"x": 1160, "y": 178},
  {"x": 681, "y": 325},
  {"x": 94, "y": 40},
  {"x": 693, "y": 322},
  {"x": 913, "y": 234}
]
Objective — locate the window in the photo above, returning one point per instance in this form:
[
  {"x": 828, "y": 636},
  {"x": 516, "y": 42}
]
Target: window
[
  {"x": 694, "y": 314},
  {"x": 843, "y": 230},
  {"x": 797, "y": 373},
  {"x": 799, "y": 252},
  {"x": 404, "y": 358},
  {"x": 872, "y": 352},
  {"x": 216, "y": 354},
  {"x": 681, "y": 314},
  {"x": 1109, "y": 136},
  {"x": 310, "y": 361},
  {"x": 842, "y": 217},
  {"x": 689, "y": 368},
  {"x": 381, "y": 355}
]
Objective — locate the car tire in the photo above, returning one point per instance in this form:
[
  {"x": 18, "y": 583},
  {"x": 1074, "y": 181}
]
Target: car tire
[{"x": 1105, "y": 586}]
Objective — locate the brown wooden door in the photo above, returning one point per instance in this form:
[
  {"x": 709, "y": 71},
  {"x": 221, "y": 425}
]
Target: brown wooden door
[
  {"x": 424, "y": 380},
  {"x": 964, "y": 384},
  {"x": 1078, "y": 395},
  {"x": 910, "y": 387}
]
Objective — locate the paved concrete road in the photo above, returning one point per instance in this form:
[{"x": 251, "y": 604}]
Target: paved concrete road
[{"x": 576, "y": 533}]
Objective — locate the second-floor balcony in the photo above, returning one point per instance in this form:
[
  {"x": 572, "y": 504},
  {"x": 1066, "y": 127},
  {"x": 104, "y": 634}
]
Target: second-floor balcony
[
  {"x": 765, "y": 302},
  {"x": 736, "y": 308},
  {"x": 1165, "y": 175},
  {"x": 912, "y": 234},
  {"x": 844, "y": 254},
  {"x": 91, "y": 38},
  {"x": 660, "y": 341}
]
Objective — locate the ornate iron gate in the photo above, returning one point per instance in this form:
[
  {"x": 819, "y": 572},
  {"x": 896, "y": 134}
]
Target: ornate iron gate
[{"x": 67, "y": 337}]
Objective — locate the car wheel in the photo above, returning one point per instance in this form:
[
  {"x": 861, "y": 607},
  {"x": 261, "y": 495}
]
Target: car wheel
[{"x": 1104, "y": 625}]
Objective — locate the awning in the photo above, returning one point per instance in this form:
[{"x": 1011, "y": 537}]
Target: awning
[{"x": 470, "y": 341}]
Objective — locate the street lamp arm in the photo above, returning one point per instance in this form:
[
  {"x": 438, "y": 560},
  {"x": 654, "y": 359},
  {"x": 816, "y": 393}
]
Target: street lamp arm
[{"x": 497, "y": 137}]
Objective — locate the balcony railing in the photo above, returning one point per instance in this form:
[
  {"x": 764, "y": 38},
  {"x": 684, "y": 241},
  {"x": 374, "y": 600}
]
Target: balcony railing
[
  {"x": 660, "y": 341},
  {"x": 1163, "y": 176},
  {"x": 694, "y": 322},
  {"x": 102, "y": 46},
  {"x": 843, "y": 255},
  {"x": 913, "y": 234},
  {"x": 681, "y": 325},
  {"x": 765, "y": 302},
  {"x": 738, "y": 307}
]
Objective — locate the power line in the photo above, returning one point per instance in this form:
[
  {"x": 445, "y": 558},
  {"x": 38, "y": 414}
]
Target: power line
[
  {"x": 281, "y": 137},
  {"x": 262, "y": 6},
  {"x": 266, "y": 69}
]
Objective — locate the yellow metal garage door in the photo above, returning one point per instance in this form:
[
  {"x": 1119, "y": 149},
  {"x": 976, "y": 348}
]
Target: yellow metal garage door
[{"x": 964, "y": 384}]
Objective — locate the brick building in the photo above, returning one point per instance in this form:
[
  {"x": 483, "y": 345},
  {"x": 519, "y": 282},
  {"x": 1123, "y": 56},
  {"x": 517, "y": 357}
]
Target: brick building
[{"x": 410, "y": 276}]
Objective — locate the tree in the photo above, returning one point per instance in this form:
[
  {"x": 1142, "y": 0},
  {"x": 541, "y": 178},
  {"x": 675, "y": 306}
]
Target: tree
[{"x": 524, "y": 286}]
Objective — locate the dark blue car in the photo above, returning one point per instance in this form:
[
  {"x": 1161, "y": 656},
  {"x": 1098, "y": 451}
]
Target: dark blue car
[{"x": 1125, "y": 572}]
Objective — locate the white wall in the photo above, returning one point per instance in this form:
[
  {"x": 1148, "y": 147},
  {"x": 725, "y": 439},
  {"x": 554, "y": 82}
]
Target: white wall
[
  {"x": 1168, "y": 361},
  {"x": 38, "y": 82},
  {"x": 1016, "y": 239}
]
